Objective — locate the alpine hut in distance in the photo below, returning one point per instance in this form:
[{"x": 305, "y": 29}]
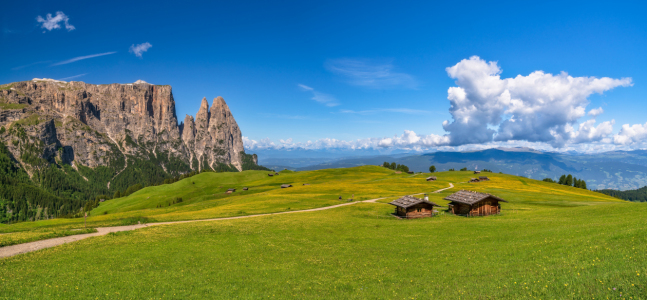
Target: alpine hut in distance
[
  {"x": 411, "y": 207},
  {"x": 470, "y": 203}
]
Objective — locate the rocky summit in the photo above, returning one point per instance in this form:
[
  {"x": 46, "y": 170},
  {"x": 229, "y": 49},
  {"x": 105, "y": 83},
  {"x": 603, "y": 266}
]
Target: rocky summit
[{"x": 55, "y": 122}]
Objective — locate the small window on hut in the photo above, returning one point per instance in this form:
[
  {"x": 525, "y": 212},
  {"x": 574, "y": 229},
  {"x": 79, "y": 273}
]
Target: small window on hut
[{"x": 419, "y": 209}]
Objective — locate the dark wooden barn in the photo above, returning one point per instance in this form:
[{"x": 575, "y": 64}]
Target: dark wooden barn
[
  {"x": 483, "y": 178},
  {"x": 468, "y": 203},
  {"x": 473, "y": 180},
  {"x": 477, "y": 172},
  {"x": 245, "y": 188},
  {"x": 432, "y": 178},
  {"x": 270, "y": 175},
  {"x": 283, "y": 186},
  {"x": 411, "y": 207}
]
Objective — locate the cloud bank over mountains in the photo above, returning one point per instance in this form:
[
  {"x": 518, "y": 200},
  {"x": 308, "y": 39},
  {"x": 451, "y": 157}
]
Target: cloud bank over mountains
[{"x": 540, "y": 110}]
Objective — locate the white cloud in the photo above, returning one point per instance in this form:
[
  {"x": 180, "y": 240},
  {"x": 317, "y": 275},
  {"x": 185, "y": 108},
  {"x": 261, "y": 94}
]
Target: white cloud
[
  {"x": 377, "y": 75},
  {"x": 539, "y": 107},
  {"x": 52, "y": 23},
  {"x": 72, "y": 77},
  {"x": 322, "y": 98},
  {"x": 388, "y": 110},
  {"x": 71, "y": 60},
  {"x": 631, "y": 134},
  {"x": 596, "y": 112},
  {"x": 408, "y": 140},
  {"x": 588, "y": 132},
  {"x": 139, "y": 49}
]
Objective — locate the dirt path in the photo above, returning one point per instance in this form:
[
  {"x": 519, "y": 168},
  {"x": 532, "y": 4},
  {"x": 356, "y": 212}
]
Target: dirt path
[{"x": 38, "y": 245}]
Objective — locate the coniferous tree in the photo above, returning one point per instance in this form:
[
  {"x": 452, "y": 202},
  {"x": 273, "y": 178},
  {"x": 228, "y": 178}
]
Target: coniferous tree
[
  {"x": 569, "y": 180},
  {"x": 393, "y": 166},
  {"x": 583, "y": 184},
  {"x": 116, "y": 195},
  {"x": 562, "y": 179}
]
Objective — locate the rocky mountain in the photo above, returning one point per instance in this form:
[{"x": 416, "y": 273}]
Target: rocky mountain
[{"x": 112, "y": 136}]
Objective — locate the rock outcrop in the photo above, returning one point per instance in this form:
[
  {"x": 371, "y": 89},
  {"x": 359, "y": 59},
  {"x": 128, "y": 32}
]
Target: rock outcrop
[{"x": 94, "y": 125}]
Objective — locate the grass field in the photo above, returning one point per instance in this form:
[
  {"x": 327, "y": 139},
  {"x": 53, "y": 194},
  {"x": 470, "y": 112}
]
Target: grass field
[{"x": 551, "y": 241}]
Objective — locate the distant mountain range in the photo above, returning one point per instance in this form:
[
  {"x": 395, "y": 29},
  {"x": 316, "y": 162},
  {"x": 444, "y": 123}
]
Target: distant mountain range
[{"x": 620, "y": 170}]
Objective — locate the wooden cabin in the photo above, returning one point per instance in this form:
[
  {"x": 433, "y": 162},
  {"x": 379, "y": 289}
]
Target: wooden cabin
[
  {"x": 398, "y": 172},
  {"x": 270, "y": 174},
  {"x": 306, "y": 184},
  {"x": 410, "y": 207},
  {"x": 468, "y": 203},
  {"x": 410, "y": 172},
  {"x": 283, "y": 186},
  {"x": 473, "y": 180},
  {"x": 277, "y": 173},
  {"x": 483, "y": 178},
  {"x": 477, "y": 172},
  {"x": 432, "y": 178},
  {"x": 229, "y": 191},
  {"x": 245, "y": 188}
]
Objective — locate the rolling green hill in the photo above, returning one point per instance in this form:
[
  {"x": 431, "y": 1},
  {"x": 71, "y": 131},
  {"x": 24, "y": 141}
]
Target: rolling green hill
[{"x": 551, "y": 241}]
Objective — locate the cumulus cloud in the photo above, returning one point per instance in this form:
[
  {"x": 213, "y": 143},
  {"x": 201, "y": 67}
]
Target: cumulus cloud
[
  {"x": 631, "y": 134},
  {"x": 139, "y": 49},
  {"x": 540, "y": 107},
  {"x": 408, "y": 140},
  {"x": 372, "y": 74},
  {"x": 596, "y": 112},
  {"x": 320, "y": 97},
  {"x": 51, "y": 23}
]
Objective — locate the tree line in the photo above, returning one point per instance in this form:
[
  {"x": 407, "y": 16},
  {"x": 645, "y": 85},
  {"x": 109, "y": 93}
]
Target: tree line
[
  {"x": 638, "y": 195},
  {"x": 568, "y": 180},
  {"x": 395, "y": 167}
]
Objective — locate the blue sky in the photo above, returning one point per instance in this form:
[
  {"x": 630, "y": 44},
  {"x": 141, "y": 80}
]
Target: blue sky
[{"x": 359, "y": 74}]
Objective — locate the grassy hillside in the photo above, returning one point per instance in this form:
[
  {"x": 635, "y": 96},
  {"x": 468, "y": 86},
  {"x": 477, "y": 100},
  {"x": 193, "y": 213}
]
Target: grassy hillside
[{"x": 552, "y": 241}]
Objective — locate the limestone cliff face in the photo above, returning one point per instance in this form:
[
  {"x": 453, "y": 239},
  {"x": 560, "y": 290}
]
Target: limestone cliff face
[
  {"x": 217, "y": 135},
  {"x": 93, "y": 124}
]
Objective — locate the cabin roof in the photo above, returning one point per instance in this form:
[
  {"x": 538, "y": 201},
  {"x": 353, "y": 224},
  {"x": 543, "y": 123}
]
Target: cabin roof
[
  {"x": 431, "y": 177},
  {"x": 286, "y": 185},
  {"x": 408, "y": 201},
  {"x": 469, "y": 197},
  {"x": 232, "y": 189}
]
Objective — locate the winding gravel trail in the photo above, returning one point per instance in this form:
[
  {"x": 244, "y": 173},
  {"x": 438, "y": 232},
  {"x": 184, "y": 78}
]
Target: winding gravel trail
[{"x": 42, "y": 244}]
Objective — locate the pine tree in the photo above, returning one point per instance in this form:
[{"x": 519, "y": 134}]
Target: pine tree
[
  {"x": 562, "y": 179},
  {"x": 393, "y": 166},
  {"x": 569, "y": 180},
  {"x": 116, "y": 195},
  {"x": 583, "y": 184}
]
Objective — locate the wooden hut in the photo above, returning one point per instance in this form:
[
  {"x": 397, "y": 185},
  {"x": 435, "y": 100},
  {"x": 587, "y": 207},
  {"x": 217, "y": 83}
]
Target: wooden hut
[
  {"x": 473, "y": 180},
  {"x": 410, "y": 172},
  {"x": 410, "y": 207},
  {"x": 283, "y": 186},
  {"x": 229, "y": 191},
  {"x": 477, "y": 172},
  {"x": 270, "y": 174},
  {"x": 277, "y": 173},
  {"x": 483, "y": 178},
  {"x": 470, "y": 203},
  {"x": 431, "y": 178},
  {"x": 306, "y": 184},
  {"x": 245, "y": 188}
]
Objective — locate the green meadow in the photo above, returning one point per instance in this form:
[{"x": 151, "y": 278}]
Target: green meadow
[{"x": 550, "y": 242}]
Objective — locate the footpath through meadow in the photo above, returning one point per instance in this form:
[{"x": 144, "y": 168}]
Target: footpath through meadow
[{"x": 43, "y": 244}]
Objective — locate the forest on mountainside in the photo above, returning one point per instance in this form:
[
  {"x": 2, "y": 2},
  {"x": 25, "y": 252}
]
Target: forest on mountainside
[
  {"x": 59, "y": 190},
  {"x": 637, "y": 195}
]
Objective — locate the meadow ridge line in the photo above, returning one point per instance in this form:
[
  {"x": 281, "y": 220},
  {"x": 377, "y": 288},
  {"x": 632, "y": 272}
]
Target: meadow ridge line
[{"x": 13, "y": 250}]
